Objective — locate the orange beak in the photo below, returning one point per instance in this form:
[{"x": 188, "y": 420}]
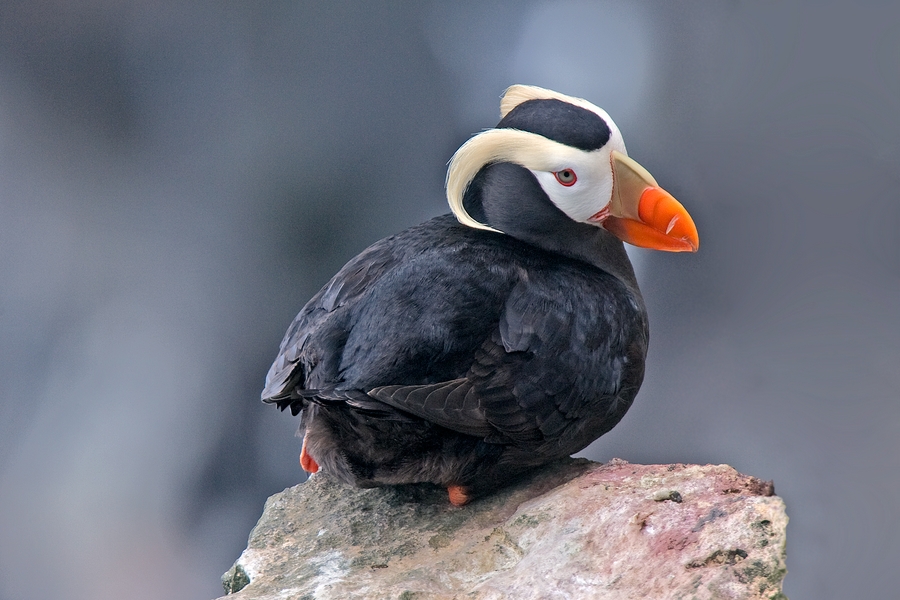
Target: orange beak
[{"x": 643, "y": 214}]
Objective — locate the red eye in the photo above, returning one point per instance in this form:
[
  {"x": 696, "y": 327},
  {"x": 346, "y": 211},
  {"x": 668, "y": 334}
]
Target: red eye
[{"x": 566, "y": 177}]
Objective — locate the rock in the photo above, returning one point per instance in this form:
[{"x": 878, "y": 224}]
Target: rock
[{"x": 574, "y": 529}]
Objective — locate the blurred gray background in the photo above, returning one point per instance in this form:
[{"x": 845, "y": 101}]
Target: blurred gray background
[{"x": 177, "y": 180}]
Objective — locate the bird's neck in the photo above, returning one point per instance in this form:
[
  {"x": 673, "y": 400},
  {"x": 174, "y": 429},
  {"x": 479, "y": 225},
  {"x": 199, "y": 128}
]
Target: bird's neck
[{"x": 594, "y": 246}]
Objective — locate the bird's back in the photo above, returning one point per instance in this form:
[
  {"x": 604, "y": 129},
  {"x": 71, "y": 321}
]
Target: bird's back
[{"x": 407, "y": 311}]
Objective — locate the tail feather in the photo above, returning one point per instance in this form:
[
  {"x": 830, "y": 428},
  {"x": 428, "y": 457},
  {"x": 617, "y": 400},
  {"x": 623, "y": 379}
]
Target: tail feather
[{"x": 355, "y": 399}]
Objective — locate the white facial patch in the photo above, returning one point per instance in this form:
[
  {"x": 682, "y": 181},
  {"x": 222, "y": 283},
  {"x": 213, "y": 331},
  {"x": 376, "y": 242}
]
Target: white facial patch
[
  {"x": 593, "y": 188},
  {"x": 591, "y": 191}
]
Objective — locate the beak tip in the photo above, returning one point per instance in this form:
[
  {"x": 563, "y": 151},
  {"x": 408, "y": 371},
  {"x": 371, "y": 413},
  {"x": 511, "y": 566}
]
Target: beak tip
[
  {"x": 687, "y": 245},
  {"x": 693, "y": 241}
]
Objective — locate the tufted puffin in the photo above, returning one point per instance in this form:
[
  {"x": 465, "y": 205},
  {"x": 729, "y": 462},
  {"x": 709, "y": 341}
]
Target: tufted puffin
[{"x": 480, "y": 344}]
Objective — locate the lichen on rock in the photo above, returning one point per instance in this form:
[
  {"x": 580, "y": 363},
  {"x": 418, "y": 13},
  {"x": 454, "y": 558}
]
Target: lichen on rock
[{"x": 574, "y": 528}]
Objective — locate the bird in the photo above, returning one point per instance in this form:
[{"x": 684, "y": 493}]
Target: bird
[{"x": 504, "y": 335}]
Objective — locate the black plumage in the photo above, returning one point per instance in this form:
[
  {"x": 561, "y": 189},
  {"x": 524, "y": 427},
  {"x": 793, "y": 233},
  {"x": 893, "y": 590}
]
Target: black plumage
[{"x": 463, "y": 357}]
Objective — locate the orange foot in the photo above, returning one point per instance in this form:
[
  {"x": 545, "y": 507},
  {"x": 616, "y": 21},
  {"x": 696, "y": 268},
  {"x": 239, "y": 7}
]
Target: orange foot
[
  {"x": 459, "y": 495},
  {"x": 306, "y": 461}
]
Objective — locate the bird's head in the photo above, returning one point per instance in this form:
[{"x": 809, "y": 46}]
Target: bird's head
[{"x": 577, "y": 159}]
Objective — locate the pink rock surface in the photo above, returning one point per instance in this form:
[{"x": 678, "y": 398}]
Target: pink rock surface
[{"x": 573, "y": 530}]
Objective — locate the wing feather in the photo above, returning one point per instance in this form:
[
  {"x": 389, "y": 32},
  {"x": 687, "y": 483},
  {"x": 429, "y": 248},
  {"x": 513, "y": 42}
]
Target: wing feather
[{"x": 544, "y": 369}]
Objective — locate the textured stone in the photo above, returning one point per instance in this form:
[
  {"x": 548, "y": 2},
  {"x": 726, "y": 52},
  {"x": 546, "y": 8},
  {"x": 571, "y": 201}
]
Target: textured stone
[{"x": 574, "y": 529}]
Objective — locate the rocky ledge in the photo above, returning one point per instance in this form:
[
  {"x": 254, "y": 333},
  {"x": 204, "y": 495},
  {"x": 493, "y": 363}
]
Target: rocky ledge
[{"x": 574, "y": 529}]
